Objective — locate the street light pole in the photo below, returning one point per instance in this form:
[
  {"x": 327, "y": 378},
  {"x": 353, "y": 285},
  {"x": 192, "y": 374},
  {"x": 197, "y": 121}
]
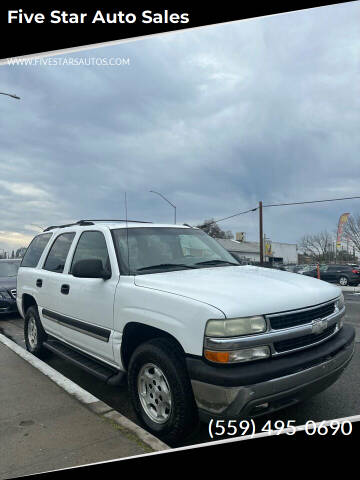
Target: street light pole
[
  {"x": 10, "y": 95},
  {"x": 168, "y": 201}
]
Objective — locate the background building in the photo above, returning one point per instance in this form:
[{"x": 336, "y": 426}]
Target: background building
[{"x": 276, "y": 252}]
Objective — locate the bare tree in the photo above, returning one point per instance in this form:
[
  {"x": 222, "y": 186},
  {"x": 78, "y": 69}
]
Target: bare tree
[
  {"x": 212, "y": 228},
  {"x": 352, "y": 230},
  {"x": 320, "y": 246}
]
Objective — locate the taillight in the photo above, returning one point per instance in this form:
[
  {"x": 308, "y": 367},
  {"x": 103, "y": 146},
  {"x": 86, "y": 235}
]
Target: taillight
[{"x": 355, "y": 271}]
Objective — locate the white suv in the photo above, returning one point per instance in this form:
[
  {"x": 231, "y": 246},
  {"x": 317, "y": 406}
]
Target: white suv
[{"x": 195, "y": 333}]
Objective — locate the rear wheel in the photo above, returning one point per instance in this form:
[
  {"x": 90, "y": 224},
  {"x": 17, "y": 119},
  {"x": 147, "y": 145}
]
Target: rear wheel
[
  {"x": 343, "y": 281},
  {"x": 160, "y": 390},
  {"x": 34, "y": 333}
]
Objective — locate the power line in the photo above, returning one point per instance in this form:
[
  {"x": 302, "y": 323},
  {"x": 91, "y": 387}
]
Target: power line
[
  {"x": 312, "y": 201},
  {"x": 231, "y": 216},
  {"x": 260, "y": 208},
  {"x": 281, "y": 205}
]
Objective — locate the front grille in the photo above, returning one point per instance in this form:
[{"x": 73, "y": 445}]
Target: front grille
[
  {"x": 303, "y": 341},
  {"x": 13, "y": 292},
  {"x": 288, "y": 320}
]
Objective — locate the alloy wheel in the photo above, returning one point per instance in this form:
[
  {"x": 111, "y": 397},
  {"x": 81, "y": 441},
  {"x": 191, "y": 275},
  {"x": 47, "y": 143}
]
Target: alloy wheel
[
  {"x": 154, "y": 393},
  {"x": 32, "y": 332}
]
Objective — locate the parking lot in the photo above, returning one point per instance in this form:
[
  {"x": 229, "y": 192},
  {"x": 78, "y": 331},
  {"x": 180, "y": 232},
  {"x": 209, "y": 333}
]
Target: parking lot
[{"x": 340, "y": 400}]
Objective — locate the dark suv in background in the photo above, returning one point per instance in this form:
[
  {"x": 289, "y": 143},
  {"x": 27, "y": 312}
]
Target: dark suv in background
[
  {"x": 8, "y": 274},
  {"x": 342, "y": 274}
]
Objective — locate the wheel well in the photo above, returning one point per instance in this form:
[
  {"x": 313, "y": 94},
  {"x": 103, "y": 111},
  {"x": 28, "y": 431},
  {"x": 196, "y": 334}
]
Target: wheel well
[
  {"x": 135, "y": 334},
  {"x": 27, "y": 301}
]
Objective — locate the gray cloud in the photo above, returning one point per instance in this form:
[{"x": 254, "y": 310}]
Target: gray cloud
[{"x": 215, "y": 118}]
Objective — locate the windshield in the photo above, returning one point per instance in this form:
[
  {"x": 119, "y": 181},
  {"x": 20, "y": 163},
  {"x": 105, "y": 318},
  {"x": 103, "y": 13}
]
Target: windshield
[
  {"x": 9, "y": 269},
  {"x": 160, "y": 249}
]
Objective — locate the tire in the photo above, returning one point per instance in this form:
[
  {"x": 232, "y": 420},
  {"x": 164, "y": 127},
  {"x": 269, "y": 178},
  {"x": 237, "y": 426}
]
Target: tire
[
  {"x": 34, "y": 333},
  {"x": 343, "y": 281},
  {"x": 166, "y": 406}
]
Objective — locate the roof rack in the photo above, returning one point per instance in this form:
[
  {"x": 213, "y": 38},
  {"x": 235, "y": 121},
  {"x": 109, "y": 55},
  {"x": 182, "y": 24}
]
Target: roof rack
[
  {"x": 112, "y": 220},
  {"x": 84, "y": 223},
  {"x": 80, "y": 222}
]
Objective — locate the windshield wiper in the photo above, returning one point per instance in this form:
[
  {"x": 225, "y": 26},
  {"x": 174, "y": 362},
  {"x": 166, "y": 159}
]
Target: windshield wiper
[
  {"x": 163, "y": 265},
  {"x": 216, "y": 262}
]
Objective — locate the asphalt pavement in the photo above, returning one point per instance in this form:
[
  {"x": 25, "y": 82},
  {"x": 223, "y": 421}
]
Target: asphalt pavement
[{"x": 339, "y": 401}]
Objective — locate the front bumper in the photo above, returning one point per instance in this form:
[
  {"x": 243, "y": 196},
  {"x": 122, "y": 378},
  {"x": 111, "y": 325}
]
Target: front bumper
[{"x": 265, "y": 386}]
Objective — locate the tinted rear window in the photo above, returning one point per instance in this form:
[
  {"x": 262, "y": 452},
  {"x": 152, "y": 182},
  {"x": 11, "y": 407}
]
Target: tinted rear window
[{"x": 35, "y": 250}]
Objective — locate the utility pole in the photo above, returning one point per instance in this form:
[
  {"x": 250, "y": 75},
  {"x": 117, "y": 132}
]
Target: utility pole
[{"x": 261, "y": 236}]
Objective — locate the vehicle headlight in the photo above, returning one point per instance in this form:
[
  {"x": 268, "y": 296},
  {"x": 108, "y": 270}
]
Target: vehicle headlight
[
  {"x": 340, "y": 302},
  {"x": 235, "y": 327}
]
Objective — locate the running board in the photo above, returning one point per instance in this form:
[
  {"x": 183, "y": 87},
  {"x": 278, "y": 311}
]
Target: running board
[{"x": 104, "y": 372}]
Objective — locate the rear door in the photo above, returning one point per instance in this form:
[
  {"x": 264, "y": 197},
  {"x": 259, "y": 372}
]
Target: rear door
[
  {"x": 87, "y": 320},
  {"x": 325, "y": 273},
  {"x": 332, "y": 273},
  {"x": 28, "y": 272}
]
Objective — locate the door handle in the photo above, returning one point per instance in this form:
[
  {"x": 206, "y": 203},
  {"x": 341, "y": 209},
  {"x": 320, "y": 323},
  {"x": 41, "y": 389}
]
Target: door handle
[
  {"x": 39, "y": 282},
  {"x": 65, "y": 289}
]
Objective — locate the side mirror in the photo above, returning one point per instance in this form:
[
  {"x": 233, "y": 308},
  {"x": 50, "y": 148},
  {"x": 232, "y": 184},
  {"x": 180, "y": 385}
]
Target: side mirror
[{"x": 90, "y": 268}]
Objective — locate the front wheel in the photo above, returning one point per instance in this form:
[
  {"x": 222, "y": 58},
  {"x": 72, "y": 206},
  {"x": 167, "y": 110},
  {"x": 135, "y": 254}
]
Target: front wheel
[
  {"x": 160, "y": 390},
  {"x": 343, "y": 281}
]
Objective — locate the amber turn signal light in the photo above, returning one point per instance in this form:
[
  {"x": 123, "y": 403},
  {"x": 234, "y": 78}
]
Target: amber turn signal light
[{"x": 219, "y": 357}]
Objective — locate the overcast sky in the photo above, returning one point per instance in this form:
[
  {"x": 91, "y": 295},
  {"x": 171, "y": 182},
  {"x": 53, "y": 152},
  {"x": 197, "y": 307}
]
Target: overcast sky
[{"x": 214, "y": 118}]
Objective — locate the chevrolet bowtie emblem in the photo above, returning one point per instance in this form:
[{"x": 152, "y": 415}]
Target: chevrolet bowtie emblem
[{"x": 319, "y": 325}]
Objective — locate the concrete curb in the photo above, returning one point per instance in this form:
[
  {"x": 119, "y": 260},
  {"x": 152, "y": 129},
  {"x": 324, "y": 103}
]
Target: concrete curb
[
  {"x": 351, "y": 289},
  {"x": 90, "y": 401}
]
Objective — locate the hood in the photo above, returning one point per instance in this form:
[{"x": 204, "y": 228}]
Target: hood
[
  {"x": 7, "y": 283},
  {"x": 243, "y": 290}
]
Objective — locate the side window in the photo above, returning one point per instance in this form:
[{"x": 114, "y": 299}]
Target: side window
[
  {"x": 35, "y": 250},
  {"x": 92, "y": 246},
  {"x": 56, "y": 258}
]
